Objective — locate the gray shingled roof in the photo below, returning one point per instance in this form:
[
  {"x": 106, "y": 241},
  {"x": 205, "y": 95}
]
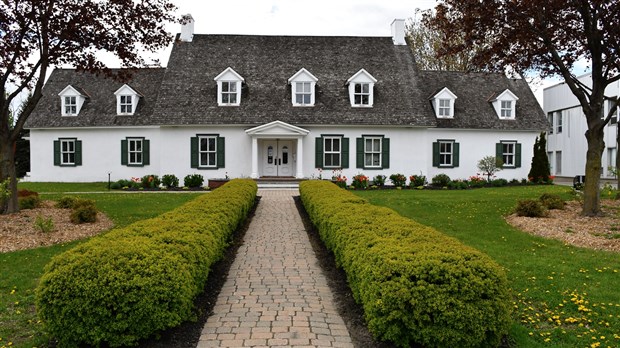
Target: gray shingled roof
[{"x": 473, "y": 109}]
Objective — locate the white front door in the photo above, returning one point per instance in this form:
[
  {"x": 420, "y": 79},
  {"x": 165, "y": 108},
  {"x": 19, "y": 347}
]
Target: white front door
[{"x": 277, "y": 158}]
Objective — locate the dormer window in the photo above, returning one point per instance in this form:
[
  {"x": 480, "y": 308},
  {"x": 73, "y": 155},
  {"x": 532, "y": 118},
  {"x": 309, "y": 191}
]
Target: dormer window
[
  {"x": 505, "y": 105},
  {"x": 126, "y": 100},
  {"x": 229, "y": 88},
  {"x": 71, "y": 99},
  {"x": 361, "y": 88},
  {"x": 443, "y": 103},
  {"x": 303, "y": 85}
]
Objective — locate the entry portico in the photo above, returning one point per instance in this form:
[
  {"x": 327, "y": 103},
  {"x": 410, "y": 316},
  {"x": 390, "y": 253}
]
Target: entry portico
[{"x": 277, "y": 150}]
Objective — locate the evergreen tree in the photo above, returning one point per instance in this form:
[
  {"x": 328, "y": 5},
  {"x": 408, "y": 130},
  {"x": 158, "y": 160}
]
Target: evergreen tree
[{"x": 540, "y": 163}]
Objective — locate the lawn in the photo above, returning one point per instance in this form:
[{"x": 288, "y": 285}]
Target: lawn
[
  {"x": 563, "y": 296},
  {"x": 20, "y": 270}
]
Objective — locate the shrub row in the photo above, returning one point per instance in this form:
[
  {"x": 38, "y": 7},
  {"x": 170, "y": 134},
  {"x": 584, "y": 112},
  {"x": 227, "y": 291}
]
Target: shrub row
[
  {"x": 135, "y": 281},
  {"x": 415, "y": 284}
]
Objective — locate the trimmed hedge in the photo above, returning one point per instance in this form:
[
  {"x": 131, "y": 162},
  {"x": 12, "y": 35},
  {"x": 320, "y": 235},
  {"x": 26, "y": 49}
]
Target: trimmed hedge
[
  {"x": 132, "y": 282},
  {"x": 416, "y": 285}
]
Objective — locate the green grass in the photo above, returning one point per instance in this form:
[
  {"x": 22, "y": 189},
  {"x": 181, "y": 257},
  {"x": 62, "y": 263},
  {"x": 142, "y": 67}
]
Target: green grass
[
  {"x": 563, "y": 296},
  {"x": 64, "y": 186},
  {"x": 21, "y": 270}
]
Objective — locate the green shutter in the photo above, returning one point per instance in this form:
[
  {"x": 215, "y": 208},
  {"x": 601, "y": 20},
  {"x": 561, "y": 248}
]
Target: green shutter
[
  {"x": 385, "y": 153},
  {"x": 78, "y": 152},
  {"x": 499, "y": 153},
  {"x": 518, "y": 156},
  {"x": 124, "y": 154},
  {"x": 359, "y": 153},
  {"x": 146, "y": 152},
  {"x": 56, "y": 152},
  {"x": 194, "y": 152},
  {"x": 436, "y": 154},
  {"x": 345, "y": 153},
  {"x": 221, "y": 161},
  {"x": 318, "y": 152},
  {"x": 455, "y": 155}
]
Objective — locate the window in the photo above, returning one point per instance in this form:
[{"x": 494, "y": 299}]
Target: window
[
  {"x": 445, "y": 153},
  {"x": 373, "y": 152},
  {"x": 445, "y": 108},
  {"x": 361, "y": 94},
  {"x": 303, "y": 93},
  {"x": 559, "y": 122},
  {"x": 229, "y": 92},
  {"x": 361, "y": 86},
  {"x": 611, "y": 160},
  {"x": 125, "y": 104},
  {"x": 550, "y": 159},
  {"x": 71, "y": 105},
  {"x": 506, "y": 108},
  {"x": 127, "y": 100},
  {"x": 551, "y": 124},
  {"x": 510, "y": 153},
  {"x": 135, "y": 152},
  {"x": 558, "y": 162},
  {"x": 67, "y": 152},
  {"x": 207, "y": 151},
  {"x": 332, "y": 151}
]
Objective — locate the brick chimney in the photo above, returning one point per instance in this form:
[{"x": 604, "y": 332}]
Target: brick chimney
[
  {"x": 187, "y": 28},
  {"x": 398, "y": 32}
]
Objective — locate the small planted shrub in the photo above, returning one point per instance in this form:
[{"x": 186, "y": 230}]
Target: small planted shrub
[
  {"x": 193, "y": 180},
  {"x": 66, "y": 202},
  {"x": 458, "y": 185},
  {"x": 45, "y": 225},
  {"x": 84, "y": 214},
  {"x": 530, "y": 208},
  {"x": 379, "y": 180},
  {"x": 115, "y": 186},
  {"x": 499, "y": 182},
  {"x": 29, "y": 202},
  {"x": 26, "y": 193},
  {"x": 398, "y": 180},
  {"x": 476, "y": 181},
  {"x": 552, "y": 201},
  {"x": 170, "y": 181},
  {"x": 441, "y": 180},
  {"x": 150, "y": 181},
  {"x": 417, "y": 180},
  {"x": 360, "y": 181}
]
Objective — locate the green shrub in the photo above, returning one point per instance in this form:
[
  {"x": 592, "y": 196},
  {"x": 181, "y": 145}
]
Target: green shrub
[
  {"x": 499, "y": 182},
  {"x": 417, "y": 180},
  {"x": 458, "y": 185},
  {"x": 530, "y": 208},
  {"x": 193, "y": 180},
  {"x": 416, "y": 285},
  {"x": 131, "y": 283},
  {"x": 379, "y": 180},
  {"x": 84, "y": 214},
  {"x": 115, "y": 186},
  {"x": 552, "y": 201},
  {"x": 440, "y": 180},
  {"x": 398, "y": 179},
  {"x": 45, "y": 225},
  {"x": 66, "y": 202},
  {"x": 170, "y": 181},
  {"x": 150, "y": 181},
  {"x": 29, "y": 202}
]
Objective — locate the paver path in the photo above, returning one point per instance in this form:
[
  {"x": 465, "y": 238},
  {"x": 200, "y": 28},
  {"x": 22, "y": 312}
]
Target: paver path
[{"x": 275, "y": 294}]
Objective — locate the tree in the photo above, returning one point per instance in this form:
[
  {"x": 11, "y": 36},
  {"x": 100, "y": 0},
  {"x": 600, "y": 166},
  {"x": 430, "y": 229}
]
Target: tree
[
  {"x": 540, "y": 162},
  {"x": 36, "y": 35},
  {"x": 548, "y": 37},
  {"x": 425, "y": 43},
  {"x": 490, "y": 165}
]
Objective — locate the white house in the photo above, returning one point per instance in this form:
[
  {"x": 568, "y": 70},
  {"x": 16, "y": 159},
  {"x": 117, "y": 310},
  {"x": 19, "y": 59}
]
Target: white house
[
  {"x": 282, "y": 106},
  {"x": 566, "y": 141}
]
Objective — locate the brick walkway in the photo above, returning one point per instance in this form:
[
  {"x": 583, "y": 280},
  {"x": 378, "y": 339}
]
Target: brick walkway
[{"x": 275, "y": 294}]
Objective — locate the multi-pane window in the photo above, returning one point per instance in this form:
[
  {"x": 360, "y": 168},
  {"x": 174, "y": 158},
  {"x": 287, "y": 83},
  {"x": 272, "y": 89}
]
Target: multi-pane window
[
  {"x": 506, "y": 108},
  {"x": 331, "y": 152},
  {"x": 551, "y": 124},
  {"x": 372, "y": 152},
  {"x": 67, "y": 151},
  {"x": 229, "y": 92},
  {"x": 135, "y": 150},
  {"x": 558, "y": 162},
  {"x": 508, "y": 154},
  {"x": 71, "y": 105},
  {"x": 361, "y": 94},
  {"x": 444, "y": 108},
  {"x": 611, "y": 159},
  {"x": 559, "y": 120},
  {"x": 126, "y": 104},
  {"x": 303, "y": 93},
  {"x": 207, "y": 151},
  {"x": 446, "y": 150}
]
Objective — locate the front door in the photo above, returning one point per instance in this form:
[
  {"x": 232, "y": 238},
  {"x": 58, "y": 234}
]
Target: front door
[{"x": 277, "y": 158}]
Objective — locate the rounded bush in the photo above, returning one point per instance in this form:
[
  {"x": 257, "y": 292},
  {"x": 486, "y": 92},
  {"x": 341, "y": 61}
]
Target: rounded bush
[
  {"x": 84, "y": 214},
  {"x": 66, "y": 202},
  {"x": 530, "y": 208},
  {"x": 26, "y": 193},
  {"x": 552, "y": 201},
  {"x": 29, "y": 202},
  {"x": 170, "y": 181},
  {"x": 193, "y": 180},
  {"x": 441, "y": 180}
]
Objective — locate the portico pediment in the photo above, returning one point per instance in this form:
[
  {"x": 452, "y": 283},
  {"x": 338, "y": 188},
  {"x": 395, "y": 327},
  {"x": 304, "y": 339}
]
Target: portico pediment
[{"x": 277, "y": 129}]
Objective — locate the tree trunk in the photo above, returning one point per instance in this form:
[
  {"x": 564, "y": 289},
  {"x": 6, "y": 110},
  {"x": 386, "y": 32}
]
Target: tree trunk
[
  {"x": 591, "y": 197},
  {"x": 7, "y": 171}
]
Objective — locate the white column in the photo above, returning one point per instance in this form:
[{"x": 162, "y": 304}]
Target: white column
[
  {"x": 254, "y": 174},
  {"x": 300, "y": 158}
]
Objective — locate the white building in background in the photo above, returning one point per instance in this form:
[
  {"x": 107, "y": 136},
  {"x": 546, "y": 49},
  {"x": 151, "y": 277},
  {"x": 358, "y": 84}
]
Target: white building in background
[{"x": 566, "y": 141}]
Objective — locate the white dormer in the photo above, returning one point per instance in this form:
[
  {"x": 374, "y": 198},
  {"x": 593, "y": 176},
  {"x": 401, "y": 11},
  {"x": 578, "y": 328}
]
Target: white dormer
[
  {"x": 71, "y": 100},
  {"x": 443, "y": 103},
  {"x": 303, "y": 85},
  {"x": 229, "y": 88},
  {"x": 361, "y": 86},
  {"x": 126, "y": 100},
  {"x": 505, "y": 105}
]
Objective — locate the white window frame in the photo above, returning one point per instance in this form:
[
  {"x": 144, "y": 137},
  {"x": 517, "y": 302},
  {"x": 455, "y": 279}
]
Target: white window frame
[
  {"x": 551, "y": 120},
  {"x": 359, "y": 93},
  {"x": 229, "y": 92},
  {"x": 332, "y": 152},
  {"x": 207, "y": 151},
  {"x": 551, "y": 162},
  {"x": 71, "y": 101},
  {"x": 125, "y": 104},
  {"x": 444, "y": 110},
  {"x": 611, "y": 159},
  {"x": 361, "y": 78},
  {"x": 306, "y": 90},
  {"x": 505, "y": 105},
  {"x": 67, "y": 152},
  {"x": 445, "y": 154},
  {"x": 558, "y": 162},
  {"x": 373, "y": 153},
  {"x": 509, "y": 151},
  {"x": 229, "y": 76},
  {"x": 70, "y": 106},
  {"x": 559, "y": 120},
  {"x": 506, "y": 108},
  {"x": 132, "y": 149}
]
